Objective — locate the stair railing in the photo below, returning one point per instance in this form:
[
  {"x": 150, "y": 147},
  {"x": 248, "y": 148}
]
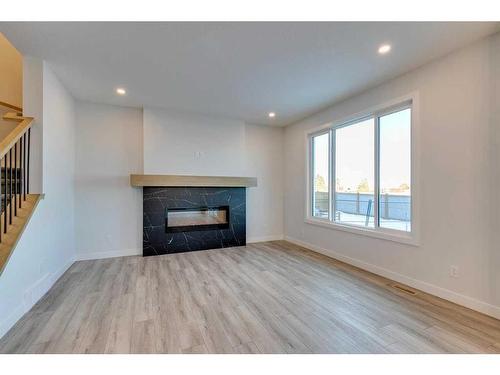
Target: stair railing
[{"x": 15, "y": 170}]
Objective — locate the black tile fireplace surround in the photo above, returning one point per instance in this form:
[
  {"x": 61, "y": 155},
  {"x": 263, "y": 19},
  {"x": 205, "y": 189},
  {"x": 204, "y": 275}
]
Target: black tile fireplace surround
[{"x": 180, "y": 219}]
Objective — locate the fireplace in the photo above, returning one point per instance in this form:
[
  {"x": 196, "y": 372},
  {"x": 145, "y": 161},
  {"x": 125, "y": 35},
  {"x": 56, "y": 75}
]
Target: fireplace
[
  {"x": 196, "y": 218},
  {"x": 179, "y": 219}
]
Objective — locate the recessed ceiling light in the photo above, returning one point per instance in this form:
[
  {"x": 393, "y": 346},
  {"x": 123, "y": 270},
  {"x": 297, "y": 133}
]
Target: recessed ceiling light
[
  {"x": 384, "y": 48},
  {"x": 121, "y": 91},
  {"x": 272, "y": 114}
]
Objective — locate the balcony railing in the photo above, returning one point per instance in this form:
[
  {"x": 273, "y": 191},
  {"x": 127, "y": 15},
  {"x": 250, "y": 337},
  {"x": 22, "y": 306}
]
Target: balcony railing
[{"x": 357, "y": 209}]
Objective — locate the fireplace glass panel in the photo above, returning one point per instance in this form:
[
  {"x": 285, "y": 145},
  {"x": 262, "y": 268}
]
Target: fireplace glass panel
[{"x": 203, "y": 218}]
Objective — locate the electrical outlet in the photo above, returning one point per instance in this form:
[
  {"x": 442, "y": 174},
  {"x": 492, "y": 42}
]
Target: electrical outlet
[{"x": 454, "y": 271}]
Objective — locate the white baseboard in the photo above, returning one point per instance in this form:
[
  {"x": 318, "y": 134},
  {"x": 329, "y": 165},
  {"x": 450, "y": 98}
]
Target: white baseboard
[
  {"x": 275, "y": 237},
  {"x": 131, "y": 252},
  {"x": 31, "y": 296},
  {"x": 435, "y": 290},
  {"x": 108, "y": 254}
]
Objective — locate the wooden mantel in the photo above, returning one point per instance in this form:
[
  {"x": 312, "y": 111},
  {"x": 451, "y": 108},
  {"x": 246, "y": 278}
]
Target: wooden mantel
[{"x": 140, "y": 180}]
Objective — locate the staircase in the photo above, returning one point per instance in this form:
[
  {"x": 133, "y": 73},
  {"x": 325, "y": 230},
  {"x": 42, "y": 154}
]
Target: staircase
[
  {"x": 16, "y": 202},
  {"x": 12, "y": 179}
]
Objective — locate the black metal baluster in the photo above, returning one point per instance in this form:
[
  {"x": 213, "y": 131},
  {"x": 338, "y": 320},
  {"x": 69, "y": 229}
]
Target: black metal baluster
[
  {"x": 10, "y": 186},
  {"x": 5, "y": 195},
  {"x": 15, "y": 180},
  {"x": 28, "y": 178},
  {"x": 20, "y": 170},
  {"x": 24, "y": 169}
]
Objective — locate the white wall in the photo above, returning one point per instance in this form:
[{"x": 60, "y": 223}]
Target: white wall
[
  {"x": 46, "y": 248},
  {"x": 458, "y": 164},
  {"x": 33, "y": 107},
  {"x": 190, "y": 144},
  {"x": 108, "y": 209},
  {"x": 494, "y": 158},
  {"x": 264, "y": 160}
]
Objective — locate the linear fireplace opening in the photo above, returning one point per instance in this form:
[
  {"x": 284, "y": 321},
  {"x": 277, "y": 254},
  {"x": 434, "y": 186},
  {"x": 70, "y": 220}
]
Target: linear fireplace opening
[{"x": 196, "y": 219}]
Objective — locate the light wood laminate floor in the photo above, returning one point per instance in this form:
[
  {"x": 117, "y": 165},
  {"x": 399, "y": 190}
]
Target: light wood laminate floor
[{"x": 271, "y": 297}]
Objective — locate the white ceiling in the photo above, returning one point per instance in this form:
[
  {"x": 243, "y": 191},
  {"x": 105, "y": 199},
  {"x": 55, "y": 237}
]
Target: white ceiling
[{"x": 236, "y": 70}]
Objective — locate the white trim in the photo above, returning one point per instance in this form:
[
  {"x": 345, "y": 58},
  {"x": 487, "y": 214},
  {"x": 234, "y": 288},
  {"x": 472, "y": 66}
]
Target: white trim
[
  {"x": 449, "y": 295},
  {"x": 410, "y": 100},
  {"x": 383, "y": 234},
  {"x": 134, "y": 252},
  {"x": 309, "y": 170},
  {"x": 415, "y": 167},
  {"x": 108, "y": 254},
  {"x": 376, "y": 172},
  {"x": 383, "y": 108},
  {"x": 274, "y": 237},
  {"x": 32, "y": 295},
  {"x": 332, "y": 172}
]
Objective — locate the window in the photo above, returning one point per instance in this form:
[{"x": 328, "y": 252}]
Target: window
[
  {"x": 354, "y": 174},
  {"x": 361, "y": 174},
  {"x": 395, "y": 171},
  {"x": 321, "y": 173}
]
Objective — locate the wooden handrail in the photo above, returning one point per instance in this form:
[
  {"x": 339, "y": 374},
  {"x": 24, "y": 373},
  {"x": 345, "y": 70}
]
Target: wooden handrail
[
  {"x": 11, "y": 106},
  {"x": 8, "y": 142}
]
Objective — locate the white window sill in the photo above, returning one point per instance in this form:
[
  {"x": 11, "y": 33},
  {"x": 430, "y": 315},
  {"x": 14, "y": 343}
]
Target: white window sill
[{"x": 406, "y": 238}]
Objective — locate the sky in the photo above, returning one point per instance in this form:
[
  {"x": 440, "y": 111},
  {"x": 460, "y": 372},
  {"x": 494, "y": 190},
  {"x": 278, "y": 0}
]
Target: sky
[{"x": 355, "y": 152}]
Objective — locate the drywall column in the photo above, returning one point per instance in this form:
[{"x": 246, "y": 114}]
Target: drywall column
[{"x": 33, "y": 107}]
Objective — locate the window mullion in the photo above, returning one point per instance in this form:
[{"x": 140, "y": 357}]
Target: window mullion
[
  {"x": 332, "y": 174},
  {"x": 376, "y": 192},
  {"x": 311, "y": 176}
]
